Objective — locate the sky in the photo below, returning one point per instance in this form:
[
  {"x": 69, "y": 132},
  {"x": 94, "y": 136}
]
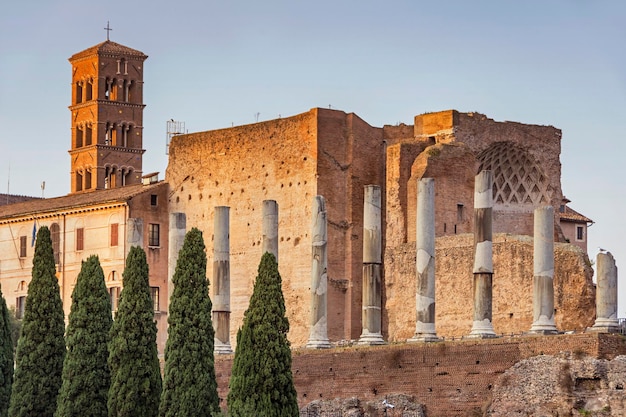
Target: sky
[{"x": 215, "y": 64}]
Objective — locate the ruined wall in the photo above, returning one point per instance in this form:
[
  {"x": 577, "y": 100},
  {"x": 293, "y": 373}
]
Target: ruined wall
[
  {"x": 449, "y": 378},
  {"x": 240, "y": 167},
  {"x": 342, "y": 177},
  {"x": 289, "y": 160},
  {"x": 574, "y": 292},
  {"x": 453, "y": 166},
  {"x": 524, "y": 160}
]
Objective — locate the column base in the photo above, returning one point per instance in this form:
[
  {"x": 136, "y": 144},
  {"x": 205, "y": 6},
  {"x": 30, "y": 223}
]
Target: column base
[
  {"x": 371, "y": 339},
  {"x": 222, "y": 348},
  {"x": 544, "y": 326},
  {"x": 482, "y": 329},
  {"x": 603, "y": 329},
  {"x": 318, "y": 344},
  {"x": 424, "y": 338}
]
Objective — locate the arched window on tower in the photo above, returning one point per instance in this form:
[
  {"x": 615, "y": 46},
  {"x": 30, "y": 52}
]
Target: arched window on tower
[
  {"x": 126, "y": 89},
  {"x": 79, "y": 181},
  {"x": 131, "y": 91},
  {"x": 79, "y": 92},
  {"x": 87, "y": 179},
  {"x": 88, "y": 134},
  {"x": 79, "y": 136},
  {"x": 89, "y": 90}
]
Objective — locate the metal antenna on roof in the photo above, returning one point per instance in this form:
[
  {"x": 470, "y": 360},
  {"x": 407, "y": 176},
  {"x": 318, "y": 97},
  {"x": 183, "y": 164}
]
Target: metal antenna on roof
[{"x": 108, "y": 29}]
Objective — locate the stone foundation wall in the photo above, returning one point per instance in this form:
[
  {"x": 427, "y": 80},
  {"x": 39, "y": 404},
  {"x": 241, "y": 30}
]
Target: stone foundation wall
[
  {"x": 449, "y": 378},
  {"x": 574, "y": 291}
]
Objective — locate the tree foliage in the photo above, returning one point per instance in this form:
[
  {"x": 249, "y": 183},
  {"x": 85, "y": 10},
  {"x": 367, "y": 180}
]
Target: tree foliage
[
  {"x": 41, "y": 347},
  {"x": 135, "y": 373},
  {"x": 261, "y": 382},
  {"x": 189, "y": 386},
  {"x": 86, "y": 376},
  {"x": 6, "y": 357}
]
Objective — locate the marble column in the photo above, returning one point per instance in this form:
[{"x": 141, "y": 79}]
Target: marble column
[
  {"x": 543, "y": 281},
  {"x": 606, "y": 295},
  {"x": 318, "y": 337},
  {"x": 270, "y": 228},
  {"x": 221, "y": 280},
  {"x": 176, "y": 239},
  {"x": 371, "y": 319},
  {"x": 482, "y": 326},
  {"x": 425, "y": 262}
]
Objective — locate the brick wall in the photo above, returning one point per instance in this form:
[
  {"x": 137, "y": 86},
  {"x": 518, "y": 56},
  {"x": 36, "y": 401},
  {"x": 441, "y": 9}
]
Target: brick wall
[{"x": 451, "y": 378}]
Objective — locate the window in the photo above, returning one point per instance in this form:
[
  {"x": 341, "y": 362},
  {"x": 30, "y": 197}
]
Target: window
[
  {"x": 153, "y": 234},
  {"x": 580, "y": 233},
  {"x": 20, "y": 303},
  {"x": 153, "y": 200},
  {"x": 154, "y": 293},
  {"x": 55, "y": 233},
  {"x": 460, "y": 212},
  {"x": 114, "y": 228},
  {"x": 114, "y": 297},
  {"x": 80, "y": 238},
  {"x": 23, "y": 242}
]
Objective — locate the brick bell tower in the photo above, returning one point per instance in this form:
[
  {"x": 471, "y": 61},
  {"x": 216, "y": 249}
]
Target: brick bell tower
[{"x": 107, "y": 117}]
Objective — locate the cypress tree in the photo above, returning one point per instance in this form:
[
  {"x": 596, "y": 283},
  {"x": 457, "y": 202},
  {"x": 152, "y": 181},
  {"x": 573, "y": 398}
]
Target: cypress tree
[
  {"x": 261, "y": 382},
  {"x": 6, "y": 357},
  {"x": 189, "y": 385},
  {"x": 86, "y": 376},
  {"x": 41, "y": 347},
  {"x": 135, "y": 373}
]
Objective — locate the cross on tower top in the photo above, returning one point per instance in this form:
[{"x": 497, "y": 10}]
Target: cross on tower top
[{"x": 108, "y": 29}]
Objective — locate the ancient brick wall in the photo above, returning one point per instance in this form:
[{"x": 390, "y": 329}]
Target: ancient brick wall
[
  {"x": 289, "y": 160},
  {"x": 574, "y": 292},
  {"x": 334, "y": 154},
  {"x": 449, "y": 378}
]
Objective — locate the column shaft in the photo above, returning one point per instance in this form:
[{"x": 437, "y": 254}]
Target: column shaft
[
  {"x": 425, "y": 262},
  {"x": 543, "y": 280},
  {"x": 270, "y": 228},
  {"x": 318, "y": 337},
  {"x": 482, "y": 325},
  {"x": 606, "y": 294},
  {"x": 371, "y": 319},
  {"x": 176, "y": 239},
  {"x": 221, "y": 279}
]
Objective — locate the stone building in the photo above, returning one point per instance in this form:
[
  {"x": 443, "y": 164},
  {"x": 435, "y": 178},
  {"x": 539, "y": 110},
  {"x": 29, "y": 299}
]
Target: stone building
[
  {"x": 335, "y": 154},
  {"x": 112, "y": 205},
  {"x": 574, "y": 225}
]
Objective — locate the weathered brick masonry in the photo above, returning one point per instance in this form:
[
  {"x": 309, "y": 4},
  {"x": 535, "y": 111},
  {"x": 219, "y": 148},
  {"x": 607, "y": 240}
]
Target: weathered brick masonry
[{"x": 452, "y": 378}]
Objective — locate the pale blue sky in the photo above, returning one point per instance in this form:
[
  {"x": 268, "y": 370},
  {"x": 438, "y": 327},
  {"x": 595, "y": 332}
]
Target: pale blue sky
[{"x": 214, "y": 63}]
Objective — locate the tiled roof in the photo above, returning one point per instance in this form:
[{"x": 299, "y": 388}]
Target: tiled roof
[
  {"x": 12, "y": 198},
  {"x": 74, "y": 201},
  {"x": 571, "y": 215},
  {"x": 108, "y": 48}
]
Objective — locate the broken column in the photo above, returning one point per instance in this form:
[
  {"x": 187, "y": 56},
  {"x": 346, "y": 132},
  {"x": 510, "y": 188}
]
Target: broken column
[
  {"x": 221, "y": 280},
  {"x": 482, "y": 326},
  {"x": 371, "y": 319},
  {"x": 425, "y": 262},
  {"x": 270, "y": 228},
  {"x": 318, "y": 337},
  {"x": 176, "y": 239},
  {"x": 543, "y": 281},
  {"x": 606, "y": 294}
]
